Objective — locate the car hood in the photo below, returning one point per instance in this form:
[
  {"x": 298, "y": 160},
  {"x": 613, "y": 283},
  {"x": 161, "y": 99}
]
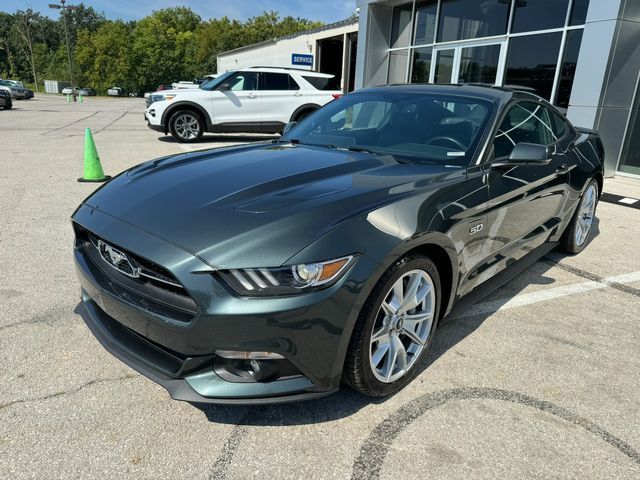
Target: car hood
[{"x": 258, "y": 205}]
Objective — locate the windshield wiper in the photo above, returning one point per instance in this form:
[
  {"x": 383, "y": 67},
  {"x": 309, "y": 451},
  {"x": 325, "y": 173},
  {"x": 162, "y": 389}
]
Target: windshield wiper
[{"x": 357, "y": 148}]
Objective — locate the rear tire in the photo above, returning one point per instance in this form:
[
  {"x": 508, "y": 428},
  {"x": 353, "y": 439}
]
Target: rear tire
[
  {"x": 301, "y": 115},
  {"x": 186, "y": 126},
  {"x": 8, "y": 105},
  {"x": 577, "y": 234},
  {"x": 384, "y": 332}
]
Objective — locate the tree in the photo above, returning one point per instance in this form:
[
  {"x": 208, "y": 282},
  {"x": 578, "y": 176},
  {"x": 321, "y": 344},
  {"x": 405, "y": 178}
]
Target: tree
[
  {"x": 163, "y": 47},
  {"x": 104, "y": 57},
  {"x": 169, "y": 45},
  {"x": 26, "y": 30},
  {"x": 7, "y": 66}
]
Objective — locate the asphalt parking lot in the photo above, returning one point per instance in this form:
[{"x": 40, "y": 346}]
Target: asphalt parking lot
[{"x": 539, "y": 379}]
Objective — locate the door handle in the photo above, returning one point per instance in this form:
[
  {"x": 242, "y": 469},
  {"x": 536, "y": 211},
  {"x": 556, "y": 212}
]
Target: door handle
[
  {"x": 562, "y": 169},
  {"x": 252, "y": 95},
  {"x": 297, "y": 94}
]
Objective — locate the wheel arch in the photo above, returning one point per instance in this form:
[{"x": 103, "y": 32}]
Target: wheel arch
[
  {"x": 307, "y": 107},
  {"x": 440, "y": 249},
  {"x": 184, "y": 105},
  {"x": 598, "y": 177}
]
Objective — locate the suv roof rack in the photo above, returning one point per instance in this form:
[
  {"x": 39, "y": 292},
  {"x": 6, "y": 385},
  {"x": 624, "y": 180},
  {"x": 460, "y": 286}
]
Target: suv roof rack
[{"x": 285, "y": 68}]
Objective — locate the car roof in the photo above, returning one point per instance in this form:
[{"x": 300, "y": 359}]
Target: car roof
[
  {"x": 300, "y": 71},
  {"x": 488, "y": 92}
]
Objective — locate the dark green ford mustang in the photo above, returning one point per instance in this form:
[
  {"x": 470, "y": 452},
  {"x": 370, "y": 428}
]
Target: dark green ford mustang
[{"x": 275, "y": 271}]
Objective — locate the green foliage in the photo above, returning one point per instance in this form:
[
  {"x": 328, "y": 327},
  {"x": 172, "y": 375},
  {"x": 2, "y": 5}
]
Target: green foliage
[{"x": 169, "y": 45}]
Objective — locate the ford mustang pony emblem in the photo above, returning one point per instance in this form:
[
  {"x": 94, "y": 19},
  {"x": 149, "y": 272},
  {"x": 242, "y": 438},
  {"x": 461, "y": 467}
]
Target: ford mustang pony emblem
[{"x": 117, "y": 259}]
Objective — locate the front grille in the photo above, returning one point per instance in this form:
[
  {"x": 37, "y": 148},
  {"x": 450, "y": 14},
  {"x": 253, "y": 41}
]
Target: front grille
[{"x": 139, "y": 281}]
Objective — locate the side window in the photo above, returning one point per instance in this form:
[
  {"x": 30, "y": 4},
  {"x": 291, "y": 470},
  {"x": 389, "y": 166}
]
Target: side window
[
  {"x": 244, "y": 81},
  {"x": 279, "y": 81},
  {"x": 525, "y": 122},
  {"x": 559, "y": 125}
]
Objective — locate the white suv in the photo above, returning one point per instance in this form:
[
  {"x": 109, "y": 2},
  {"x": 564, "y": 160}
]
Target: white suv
[{"x": 256, "y": 99}]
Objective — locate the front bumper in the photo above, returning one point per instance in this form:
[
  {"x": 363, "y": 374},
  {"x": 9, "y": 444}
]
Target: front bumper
[
  {"x": 133, "y": 351},
  {"x": 153, "y": 116},
  {"x": 311, "y": 331}
]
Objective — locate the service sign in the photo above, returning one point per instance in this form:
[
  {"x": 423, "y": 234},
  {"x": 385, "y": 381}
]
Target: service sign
[{"x": 302, "y": 59}]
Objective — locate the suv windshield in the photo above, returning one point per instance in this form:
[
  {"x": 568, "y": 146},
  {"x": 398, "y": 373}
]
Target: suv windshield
[
  {"x": 212, "y": 83},
  {"x": 422, "y": 127}
]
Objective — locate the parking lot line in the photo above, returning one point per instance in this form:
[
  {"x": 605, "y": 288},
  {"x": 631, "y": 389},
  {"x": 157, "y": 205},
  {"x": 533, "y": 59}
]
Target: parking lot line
[{"x": 548, "y": 294}]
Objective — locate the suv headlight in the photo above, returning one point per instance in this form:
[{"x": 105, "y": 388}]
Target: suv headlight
[
  {"x": 289, "y": 280},
  {"x": 158, "y": 97}
]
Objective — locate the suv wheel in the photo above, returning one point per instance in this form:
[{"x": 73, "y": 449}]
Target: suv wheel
[
  {"x": 8, "y": 105},
  {"x": 395, "y": 328},
  {"x": 186, "y": 126}
]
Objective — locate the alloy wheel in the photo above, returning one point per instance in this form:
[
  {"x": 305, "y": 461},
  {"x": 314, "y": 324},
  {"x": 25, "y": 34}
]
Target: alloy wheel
[
  {"x": 402, "y": 327},
  {"x": 187, "y": 126},
  {"x": 586, "y": 213}
]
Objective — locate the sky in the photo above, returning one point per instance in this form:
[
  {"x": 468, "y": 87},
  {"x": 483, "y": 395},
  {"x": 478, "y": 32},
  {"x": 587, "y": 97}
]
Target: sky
[{"x": 323, "y": 10}]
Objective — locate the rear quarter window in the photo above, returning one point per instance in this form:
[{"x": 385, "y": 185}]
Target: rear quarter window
[{"x": 322, "y": 83}]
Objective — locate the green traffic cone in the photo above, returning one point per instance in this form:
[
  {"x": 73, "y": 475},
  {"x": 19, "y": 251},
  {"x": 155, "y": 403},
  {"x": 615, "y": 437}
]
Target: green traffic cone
[
  {"x": 68, "y": 98},
  {"x": 80, "y": 98},
  {"x": 92, "y": 168}
]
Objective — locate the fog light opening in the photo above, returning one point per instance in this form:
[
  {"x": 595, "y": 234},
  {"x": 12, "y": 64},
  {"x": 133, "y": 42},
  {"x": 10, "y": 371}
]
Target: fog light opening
[
  {"x": 246, "y": 368},
  {"x": 255, "y": 369}
]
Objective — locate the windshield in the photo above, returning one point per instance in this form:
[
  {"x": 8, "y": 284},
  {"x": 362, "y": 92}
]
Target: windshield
[
  {"x": 5, "y": 83},
  {"x": 213, "y": 83},
  {"x": 423, "y": 127}
]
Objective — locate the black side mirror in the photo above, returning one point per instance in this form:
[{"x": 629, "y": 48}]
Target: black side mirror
[
  {"x": 526, "y": 154},
  {"x": 288, "y": 127}
]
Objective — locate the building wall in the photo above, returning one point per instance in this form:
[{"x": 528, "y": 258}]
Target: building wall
[
  {"x": 606, "y": 75},
  {"x": 278, "y": 52}
]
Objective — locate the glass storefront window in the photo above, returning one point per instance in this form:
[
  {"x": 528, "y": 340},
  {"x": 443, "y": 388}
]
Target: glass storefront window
[
  {"x": 539, "y": 15},
  {"x": 479, "y": 64},
  {"x": 531, "y": 62},
  {"x": 579, "y": 12},
  {"x": 398, "y": 61},
  {"x": 444, "y": 66},
  {"x": 421, "y": 65},
  {"x": 463, "y": 19},
  {"x": 401, "y": 26},
  {"x": 630, "y": 160},
  {"x": 569, "y": 62},
  {"x": 426, "y": 12}
]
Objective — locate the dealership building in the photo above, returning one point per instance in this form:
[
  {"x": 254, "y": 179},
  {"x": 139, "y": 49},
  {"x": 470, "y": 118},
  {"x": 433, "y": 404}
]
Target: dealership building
[
  {"x": 582, "y": 55},
  {"x": 328, "y": 49}
]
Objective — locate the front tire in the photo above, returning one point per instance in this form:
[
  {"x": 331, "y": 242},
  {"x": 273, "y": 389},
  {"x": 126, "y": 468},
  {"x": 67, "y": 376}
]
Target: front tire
[
  {"x": 8, "y": 105},
  {"x": 395, "y": 328},
  {"x": 186, "y": 126},
  {"x": 579, "y": 230}
]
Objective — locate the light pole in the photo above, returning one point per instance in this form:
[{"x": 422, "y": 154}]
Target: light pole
[{"x": 64, "y": 9}]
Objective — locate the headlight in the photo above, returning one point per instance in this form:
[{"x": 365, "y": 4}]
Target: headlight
[
  {"x": 287, "y": 280},
  {"x": 158, "y": 97}
]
